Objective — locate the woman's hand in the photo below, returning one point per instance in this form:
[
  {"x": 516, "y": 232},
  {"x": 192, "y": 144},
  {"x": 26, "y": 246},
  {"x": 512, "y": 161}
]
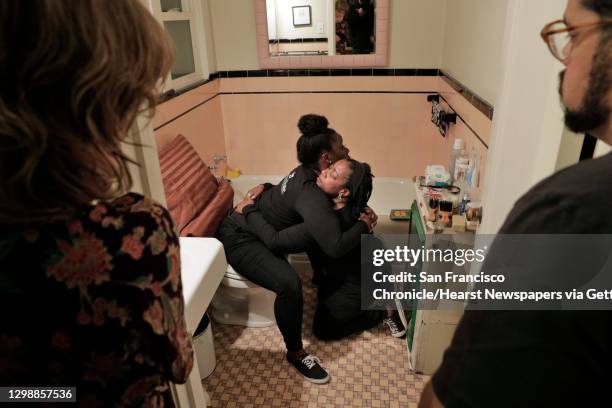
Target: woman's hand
[
  {"x": 372, "y": 214},
  {"x": 255, "y": 191},
  {"x": 371, "y": 223},
  {"x": 246, "y": 201}
]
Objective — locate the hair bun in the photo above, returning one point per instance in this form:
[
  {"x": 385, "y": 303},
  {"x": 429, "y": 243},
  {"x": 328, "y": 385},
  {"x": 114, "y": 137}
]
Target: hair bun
[{"x": 312, "y": 124}]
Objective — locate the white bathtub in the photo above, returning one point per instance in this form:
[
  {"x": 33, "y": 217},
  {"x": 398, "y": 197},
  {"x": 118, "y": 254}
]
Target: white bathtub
[{"x": 388, "y": 193}]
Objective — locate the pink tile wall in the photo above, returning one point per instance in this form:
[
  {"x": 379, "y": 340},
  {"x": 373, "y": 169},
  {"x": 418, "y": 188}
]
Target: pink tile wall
[
  {"x": 203, "y": 127},
  {"x": 391, "y": 131},
  {"x": 479, "y": 123},
  {"x": 184, "y": 102}
]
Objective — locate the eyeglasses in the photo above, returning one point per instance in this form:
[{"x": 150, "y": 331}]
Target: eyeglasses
[{"x": 558, "y": 35}]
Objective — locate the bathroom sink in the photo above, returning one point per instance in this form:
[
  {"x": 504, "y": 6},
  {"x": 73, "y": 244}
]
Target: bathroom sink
[{"x": 203, "y": 265}]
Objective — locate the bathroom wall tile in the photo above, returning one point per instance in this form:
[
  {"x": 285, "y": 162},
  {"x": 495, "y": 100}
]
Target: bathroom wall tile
[
  {"x": 258, "y": 73},
  {"x": 383, "y": 72},
  {"x": 301, "y": 84},
  {"x": 298, "y": 73},
  {"x": 260, "y": 6},
  {"x": 236, "y": 74},
  {"x": 405, "y": 71},
  {"x": 381, "y": 39},
  {"x": 369, "y": 60},
  {"x": 274, "y": 63},
  {"x": 318, "y": 72},
  {"x": 326, "y": 61},
  {"x": 392, "y": 131},
  {"x": 305, "y": 61},
  {"x": 337, "y": 62},
  {"x": 317, "y": 61},
  {"x": 278, "y": 73},
  {"x": 393, "y": 145},
  {"x": 175, "y": 106},
  {"x": 201, "y": 127},
  {"x": 415, "y": 84},
  {"x": 476, "y": 119},
  {"x": 294, "y": 62},
  {"x": 382, "y": 47},
  {"x": 340, "y": 72},
  {"x": 348, "y": 60},
  {"x": 361, "y": 71}
]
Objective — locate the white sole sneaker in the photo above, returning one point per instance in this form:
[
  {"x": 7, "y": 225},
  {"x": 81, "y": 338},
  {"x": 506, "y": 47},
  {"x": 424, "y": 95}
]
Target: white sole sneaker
[
  {"x": 393, "y": 329},
  {"x": 313, "y": 380}
]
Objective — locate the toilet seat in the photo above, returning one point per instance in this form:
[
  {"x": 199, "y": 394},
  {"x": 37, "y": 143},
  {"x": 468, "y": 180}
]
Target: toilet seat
[
  {"x": 242, "y": 302},
  {"x": 233, "y": 279},
  {"x": 232, "y": 274}
]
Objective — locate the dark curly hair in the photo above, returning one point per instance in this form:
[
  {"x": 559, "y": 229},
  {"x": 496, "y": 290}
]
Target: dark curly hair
[
  {"x": 74, "y": 75},
  {"x": 315, "y": 138}
]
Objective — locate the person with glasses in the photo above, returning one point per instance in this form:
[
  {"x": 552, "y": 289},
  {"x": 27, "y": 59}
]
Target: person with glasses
[{"x": 548, "y": 358}]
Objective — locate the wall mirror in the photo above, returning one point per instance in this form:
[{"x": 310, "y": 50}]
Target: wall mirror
[{"x": 322, "y": 33}]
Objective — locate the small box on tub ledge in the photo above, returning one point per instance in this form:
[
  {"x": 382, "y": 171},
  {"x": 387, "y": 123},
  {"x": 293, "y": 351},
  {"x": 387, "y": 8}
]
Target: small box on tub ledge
[{"x": 400, "y": 215}]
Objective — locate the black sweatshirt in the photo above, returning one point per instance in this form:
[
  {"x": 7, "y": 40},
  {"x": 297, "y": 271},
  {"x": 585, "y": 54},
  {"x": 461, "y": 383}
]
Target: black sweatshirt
[{"x": 298, "y": 200}]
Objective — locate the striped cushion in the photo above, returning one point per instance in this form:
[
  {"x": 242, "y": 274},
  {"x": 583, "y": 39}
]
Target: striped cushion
[{"x": 188, "y": 183}]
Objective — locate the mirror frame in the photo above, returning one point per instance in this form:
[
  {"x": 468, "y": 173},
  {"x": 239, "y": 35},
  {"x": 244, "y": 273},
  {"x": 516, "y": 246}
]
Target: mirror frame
[{"x": 377, "y": 59}]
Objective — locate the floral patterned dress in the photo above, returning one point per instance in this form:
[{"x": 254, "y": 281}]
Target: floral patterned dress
[{"x": 96, "y": 303}]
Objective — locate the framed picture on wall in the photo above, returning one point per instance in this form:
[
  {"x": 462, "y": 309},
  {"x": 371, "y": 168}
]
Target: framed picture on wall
[{"x": 301, "y": 16}]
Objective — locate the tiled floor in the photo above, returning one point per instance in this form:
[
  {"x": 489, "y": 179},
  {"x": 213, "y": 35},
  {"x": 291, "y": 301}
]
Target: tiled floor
[{"x": 368, "y": 370}]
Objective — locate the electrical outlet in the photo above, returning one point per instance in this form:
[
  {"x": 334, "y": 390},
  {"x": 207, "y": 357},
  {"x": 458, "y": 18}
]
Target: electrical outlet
[{"x": 320, "y": 28}]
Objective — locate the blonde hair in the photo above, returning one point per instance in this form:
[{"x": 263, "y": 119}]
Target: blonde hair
[{"x": 74, "y": 75}]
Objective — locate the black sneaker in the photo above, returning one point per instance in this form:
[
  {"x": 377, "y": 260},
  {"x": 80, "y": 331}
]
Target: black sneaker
[
  {"x": 310, "y": 368},
  {"x": 396, "y": 327}
]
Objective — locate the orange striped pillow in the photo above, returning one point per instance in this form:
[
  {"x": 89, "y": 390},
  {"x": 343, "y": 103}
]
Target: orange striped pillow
[{"x": 188, "y": 183}]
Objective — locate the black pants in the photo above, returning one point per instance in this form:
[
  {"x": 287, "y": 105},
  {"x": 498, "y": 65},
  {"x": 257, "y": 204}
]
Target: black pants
[
  {"x": 339, "y": 312},
  {"x": 253, "y": 260}
]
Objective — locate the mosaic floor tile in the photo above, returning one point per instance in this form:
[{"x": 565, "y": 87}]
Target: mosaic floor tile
[{"x": 368, "y": 370}]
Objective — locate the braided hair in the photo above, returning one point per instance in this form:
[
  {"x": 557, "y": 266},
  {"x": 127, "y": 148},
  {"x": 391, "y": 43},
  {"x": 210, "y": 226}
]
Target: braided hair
[{"x": 360, "y": 186}]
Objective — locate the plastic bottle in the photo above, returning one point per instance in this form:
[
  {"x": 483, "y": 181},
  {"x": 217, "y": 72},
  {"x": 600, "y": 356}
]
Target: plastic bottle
[
  {"x": 464, "y": 203},
  {"x": 472, "y": 172},
  {"x": 457, "y": 152},
  {"x": 461, "y": 167}
]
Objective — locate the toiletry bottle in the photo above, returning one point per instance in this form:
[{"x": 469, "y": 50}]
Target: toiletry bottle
[
  {"x": 461, "y": 167},
  {"x": 464, "y": 202},
  {"x": 457, "y": 152},
  {"x": 472, "y": 172}
]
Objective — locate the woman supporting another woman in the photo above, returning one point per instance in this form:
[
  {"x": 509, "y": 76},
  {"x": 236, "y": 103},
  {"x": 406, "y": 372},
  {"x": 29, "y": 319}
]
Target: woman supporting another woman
[
  {"x": 339, "y": 312},
  {"x": 297, "y": 199}
]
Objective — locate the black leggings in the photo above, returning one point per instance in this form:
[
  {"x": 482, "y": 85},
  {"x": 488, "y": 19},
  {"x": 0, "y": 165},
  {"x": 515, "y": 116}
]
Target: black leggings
[
  {"x": 339, "y": 312},
  {"x": 253, "y": 260}
]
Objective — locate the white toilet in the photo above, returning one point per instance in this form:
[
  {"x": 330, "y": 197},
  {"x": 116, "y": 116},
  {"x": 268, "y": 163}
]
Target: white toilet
[{"x": 241, "y": 302}]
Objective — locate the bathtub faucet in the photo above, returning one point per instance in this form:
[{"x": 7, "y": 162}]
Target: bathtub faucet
[{"x": 217, "y": 158}]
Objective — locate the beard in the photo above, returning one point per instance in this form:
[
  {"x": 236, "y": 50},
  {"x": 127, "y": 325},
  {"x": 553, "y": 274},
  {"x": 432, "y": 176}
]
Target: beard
[{"x": 594, "y": 111}]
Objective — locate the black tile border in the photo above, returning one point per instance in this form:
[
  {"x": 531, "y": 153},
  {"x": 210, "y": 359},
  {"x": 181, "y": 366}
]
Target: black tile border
[
  {"x": 479, "y": 103},
  {"x": 326, "y": 92},
  {"x": 465, "y": 123},
  {"x": 186, "y": 112},
  {"x": 173, "y": 93},
  {"x": 483, "y": 106},
  {"x": 327, "y": 72},
  {"x": 298, "y": 40}
]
